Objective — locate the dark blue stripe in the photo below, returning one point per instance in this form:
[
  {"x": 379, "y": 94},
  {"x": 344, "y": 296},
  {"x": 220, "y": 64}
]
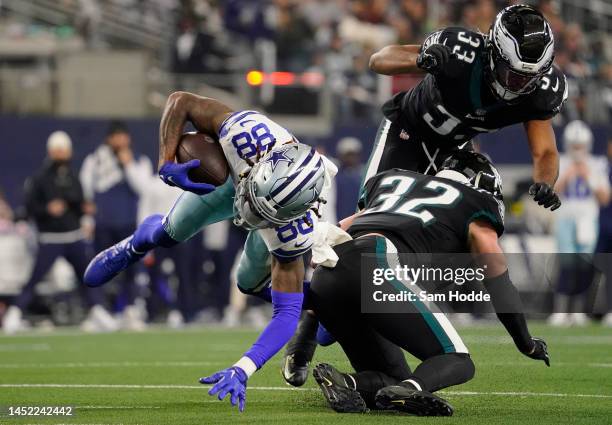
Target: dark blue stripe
[
  {"x": 304, "y": 183},
  {"x": 292, "y": 177},
  {"x": 223, "y": 129}
]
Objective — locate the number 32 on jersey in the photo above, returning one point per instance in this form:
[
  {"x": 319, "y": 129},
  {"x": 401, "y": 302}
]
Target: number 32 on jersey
[{"x": 395, "y": 202}]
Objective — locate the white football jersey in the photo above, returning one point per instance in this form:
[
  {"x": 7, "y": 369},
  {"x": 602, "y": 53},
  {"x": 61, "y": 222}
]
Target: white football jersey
[
  {"x": 240, "y": 135},
  {"x": 243, "y": 133}
]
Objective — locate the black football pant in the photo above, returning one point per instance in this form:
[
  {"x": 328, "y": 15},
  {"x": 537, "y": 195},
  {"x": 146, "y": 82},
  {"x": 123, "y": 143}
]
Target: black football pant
[
  {"x": 374, "y": 343},
  {"x": 397, "y": 147}
]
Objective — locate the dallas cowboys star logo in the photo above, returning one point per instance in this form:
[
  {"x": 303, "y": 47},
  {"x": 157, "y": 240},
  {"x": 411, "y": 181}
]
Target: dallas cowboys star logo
[{"x": 278, "y": 156}]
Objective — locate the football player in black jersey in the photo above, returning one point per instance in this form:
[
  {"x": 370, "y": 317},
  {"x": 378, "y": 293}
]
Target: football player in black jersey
[
  {"x": 474, "y": 84},
  {"x": 458, "y": 210}
]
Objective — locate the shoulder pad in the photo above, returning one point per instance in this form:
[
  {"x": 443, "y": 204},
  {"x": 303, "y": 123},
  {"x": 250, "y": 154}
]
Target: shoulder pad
[{"x": 552, "y": 93}]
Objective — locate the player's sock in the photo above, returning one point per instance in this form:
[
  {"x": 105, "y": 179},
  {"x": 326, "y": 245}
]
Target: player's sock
[
  {"x": 150, "y": 234},
  {"x": 441, "y": 371},
  {"x": 367, "y": 383}
]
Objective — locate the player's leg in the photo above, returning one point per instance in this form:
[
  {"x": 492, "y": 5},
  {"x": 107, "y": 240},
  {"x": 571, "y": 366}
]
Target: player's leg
[
  {"x": 430, "y": 337},
  {"x": 46, "y": 256},
  {"x": 335, "y": 298},
  {"x": 188, "y": 216},
  {"x": 392, "y": 149}
]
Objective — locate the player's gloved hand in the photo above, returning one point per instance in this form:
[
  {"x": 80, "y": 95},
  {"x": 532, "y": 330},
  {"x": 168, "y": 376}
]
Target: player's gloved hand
[
  {"x": 438, "y": 59},
  {"x": 233, "y": 381},
  {"x": 539, "y": 351},
  {"x": 174, "y": 174},
  {"x": 544, "y": 195}
]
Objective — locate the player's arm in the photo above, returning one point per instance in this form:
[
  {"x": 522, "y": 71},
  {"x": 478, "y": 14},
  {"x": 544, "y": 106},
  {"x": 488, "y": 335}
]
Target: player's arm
[
  {"x": 204, "y": 113},
  {"x": 484, "y": 245},
  {"x": 543, "y": 147},
  {"x": 396, "y": 59},
  {"x": 287, "y": 299}
]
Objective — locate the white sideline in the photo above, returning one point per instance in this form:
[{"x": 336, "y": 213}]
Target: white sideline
[{"x": 200, "y": 387}]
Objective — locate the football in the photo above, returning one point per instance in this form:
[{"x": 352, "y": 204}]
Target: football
[{"x": 213, "y": 168}]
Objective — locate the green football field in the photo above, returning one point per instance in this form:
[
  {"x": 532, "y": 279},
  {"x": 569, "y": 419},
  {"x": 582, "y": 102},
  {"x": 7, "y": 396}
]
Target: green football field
[{"x": 151, "y": 378}]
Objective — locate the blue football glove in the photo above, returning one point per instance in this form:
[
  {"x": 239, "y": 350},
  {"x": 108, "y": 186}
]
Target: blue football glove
[
  {"x": 174, "y": 174},
  {"x": 233, "y": 381}
]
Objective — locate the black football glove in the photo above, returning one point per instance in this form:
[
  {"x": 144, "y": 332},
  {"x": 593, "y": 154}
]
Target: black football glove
[
  {"x": 544, "y": 195},
  {"x": 438, "y": 59},
  {"x": 539, "y": 351}
]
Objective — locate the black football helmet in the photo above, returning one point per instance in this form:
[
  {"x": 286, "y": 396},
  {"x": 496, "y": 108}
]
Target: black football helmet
[
  {"x": 473, "y": 168},
  {"x": 521, "y": 51}
]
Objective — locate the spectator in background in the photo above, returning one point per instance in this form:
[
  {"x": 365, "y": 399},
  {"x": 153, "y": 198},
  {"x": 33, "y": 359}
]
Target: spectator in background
[
  {"x": 113, "y": 180},
  {"x": 583, "y": 186},
  {"x": 604, "y": 243},
  {"x": 293, "y": 37},
  {"x": 54, "y": 201},
  {"x": 350, "y": 174},
  {"x": 182, "y": 259}
]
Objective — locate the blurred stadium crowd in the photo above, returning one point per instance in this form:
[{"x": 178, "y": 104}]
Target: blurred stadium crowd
[{"x": 333, "y": 38}]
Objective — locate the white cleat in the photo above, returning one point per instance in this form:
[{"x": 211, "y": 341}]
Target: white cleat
[
  {"x": 175, "y": 320},
  {"x": 256, "y": 317},
  {"x": 607, "y": 320},
  {"x": 99, "y": 320},
  {"x": 580, "y": 319},
  {"x": 231, "y": 317},
  {"x": 131, "y": 319},
  {"x": 559, "y": 320},
  {"x": 12, "y": 321}
]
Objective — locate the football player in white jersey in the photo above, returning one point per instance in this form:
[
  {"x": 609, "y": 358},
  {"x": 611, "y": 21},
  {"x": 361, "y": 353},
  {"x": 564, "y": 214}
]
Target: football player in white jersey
[{"x": 275, "y": 189}]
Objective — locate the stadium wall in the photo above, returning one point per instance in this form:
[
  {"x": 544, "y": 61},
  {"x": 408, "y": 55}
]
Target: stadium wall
[{"x": 23, "y": 141}]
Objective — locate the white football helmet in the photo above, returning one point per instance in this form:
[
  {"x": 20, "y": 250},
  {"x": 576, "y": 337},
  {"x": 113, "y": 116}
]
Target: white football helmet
[{"x": 285, "y": 183}]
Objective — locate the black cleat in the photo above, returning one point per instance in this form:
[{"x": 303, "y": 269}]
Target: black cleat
[
  {"x": 339, "y": 396},
  {"x": 300, "y": 351},
  {"x": 408, "y": 400}
]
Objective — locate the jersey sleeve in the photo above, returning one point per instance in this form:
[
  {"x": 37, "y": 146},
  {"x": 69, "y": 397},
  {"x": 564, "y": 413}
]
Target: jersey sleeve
[
  {"x": 291, "y": 240},
  {"x": 365, "y": 196},
  {"x": 486, "y": 208},
  {"x": 551, "y": 95},
  {"x": 243, "y": 134},
  {"x": 454, "y": 36}
]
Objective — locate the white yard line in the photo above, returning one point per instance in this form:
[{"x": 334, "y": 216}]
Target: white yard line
[
  {"x": 106, "y": 364},
  {"x": 207, "y": 363},
  {"x": 195, "y": 387},
  {"x": 24, "y": 347}
]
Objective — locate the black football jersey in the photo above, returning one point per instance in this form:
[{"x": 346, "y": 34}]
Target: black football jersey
[
  {"x": 448, "y": 111},
  {"x": 425, "y": 214}
]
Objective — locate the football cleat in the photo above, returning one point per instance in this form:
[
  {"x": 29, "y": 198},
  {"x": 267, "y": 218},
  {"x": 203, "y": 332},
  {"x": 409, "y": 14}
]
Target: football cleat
[
  {"x": 300, "y": 351},
  {"x": 110, "y": 262},
  {"x": 339, "y": 396},
  {"x": 409, "y": 400}
]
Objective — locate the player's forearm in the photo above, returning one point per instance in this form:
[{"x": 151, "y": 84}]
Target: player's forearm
[
  {"x": 287, "y": 298},
  {"x": 172, "y": 123},
  {"x": 509, "y": 309},
  {"x": 546, "y": 167},
  {"x": 396, "y": 59},
  {"x": 543, "y": 147}
]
